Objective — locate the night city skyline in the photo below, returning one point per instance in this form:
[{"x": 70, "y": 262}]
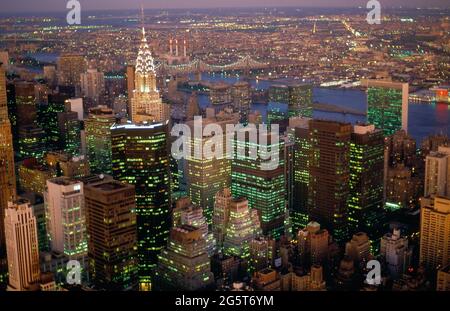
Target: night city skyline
[{"x": 216, "y": 156}]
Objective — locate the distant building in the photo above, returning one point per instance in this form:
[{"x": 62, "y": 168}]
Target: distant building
[
  {"x": 70, "y": 68},
  {"x": 387, "y": 105},
  {"x": 313, "y": 244},
  {"x": 358, "y": 248},
  {"x": 93, "y": 85},
  {"x": 98, "y": 139}
]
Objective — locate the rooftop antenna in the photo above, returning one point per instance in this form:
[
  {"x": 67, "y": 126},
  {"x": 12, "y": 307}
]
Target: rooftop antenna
[{"x": 142, "y": 19}]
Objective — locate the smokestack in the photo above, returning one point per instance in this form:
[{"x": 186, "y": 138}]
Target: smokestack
[
  {"x": 176, "y": 43},
  {"x": 171, "y": 46}
]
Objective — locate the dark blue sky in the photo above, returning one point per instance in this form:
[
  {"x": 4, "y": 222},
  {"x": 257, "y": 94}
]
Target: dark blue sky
[{"x": 59, "y": 5}]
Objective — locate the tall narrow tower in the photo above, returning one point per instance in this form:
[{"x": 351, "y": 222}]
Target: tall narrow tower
[
  {"x": 146, "y": 103},
  {"x": 7, "y": 172}
]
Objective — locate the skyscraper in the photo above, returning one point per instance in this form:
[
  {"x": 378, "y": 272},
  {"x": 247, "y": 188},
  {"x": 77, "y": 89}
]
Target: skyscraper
[
  {"x": 365, "y": 203},
  {"x": 7, "y": 170},
  {"x": 240, "y": 229},
  {"x": 184, "y": 264},
  {"x": 241, "y": 95},
  {"x": 387, "y": 104},
  {"x": 70, "y": 132},
  {"x": 221, "y": 215},
  {"x": 206, "y": 176},
  {"x": 66, "y": 218},
  {"x": 313, "y": 244},
  {"x": 140, "y": 157},
  {"x": 22, "y": 247},
  {"x": 329, "y": 175},
  {"x": 398, "y": 254},
  {"x": 435, "y": 232},
  {"x": 358, "y": 248},
  {"x": 98, "y": 139},
  {"x": 437, "y": 172},
  {"x": 264, "y": 188},
  {"x": 111, "y": 228},
  {"x": 298, "y": 96},
  {"x": 93, "y": 85},
  {"x": 186, "y": 213},
  {"x": 146, "y": 103},
  {"x": 70, "y": 68},
  {"x": 299, "y": 133}
]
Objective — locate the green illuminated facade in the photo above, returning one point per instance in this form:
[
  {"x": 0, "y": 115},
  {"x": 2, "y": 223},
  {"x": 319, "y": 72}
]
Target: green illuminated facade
[
  {"x": 302, "y": 146},
  {"x": 98, "y": 139},
  {"x": 184, "y": 264},
  {"x": 264, "y": 189},
  {"x": 47, "y": 116},
  {"x": 298, "y": 96},
  {"x": 140, "y": 157},
  {"x": 365, "y": 202},
  {"x": 387, "y": 104},
  {"x": 70, "y": 132}
]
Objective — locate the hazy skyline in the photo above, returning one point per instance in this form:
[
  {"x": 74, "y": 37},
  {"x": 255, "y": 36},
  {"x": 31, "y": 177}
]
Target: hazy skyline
[{"x": 60, "y": 5}]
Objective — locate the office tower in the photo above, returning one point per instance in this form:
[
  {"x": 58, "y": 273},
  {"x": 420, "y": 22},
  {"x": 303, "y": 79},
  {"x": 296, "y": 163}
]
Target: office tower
[
  {"x": 443, "y": 279},
  {"x": 205, "y": 176},
  {"x": 184, "y": 264},
  {"x": 98, "y": 139},
  {"x": 193, "y": 108},
  {"x": 437, "y": 172},
  {"x": 259, "y": 254},
  {"x": 358, "y": 248},
  {"x": 25, "y": 103},
  {"x": 402, "y": 148},
  {"x": 241, "y": 94},
  {"x": 146, "y": 103},
  {"x": 37, "y": 205},
  {"x": 329, "y": 175},
  {"x": 33, "y": 176},
  {"x": 313, "y": 244},
  {"x": 299, "y": 133},
  {"x": 70, "y": 132},
  {"x": 186, "y": 213},
  {"x": 31, "y": 142},
  {"x": 66, "y": 218},
  {"x": 402, "y": 189},
  {"x": 264, "y": 187},
  {"x": 111, "y": 228},
  {"x": 387, "y": 105},
  {"x": 221, "y": 215},
  {"x": 365, "y": 202},
  {"x": 63, "y": 164},
  {"x": 70, "y": 68},
  {"x": 394, "y": 248},
  {"x": 93, "y": 86},
  {"x": 47, "y": 118},
  {"x": 240, "y": 229},
  {"x": 289, "y": 172},
  {"x": 435, "y": 232},
  {"x": 220, "y": 93},
  {"x": 140, "y": 157},
  {"x": 298, "y": 96},
  {"x": 7, "y": 170},
  {"x": 22, "y": 247}
]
